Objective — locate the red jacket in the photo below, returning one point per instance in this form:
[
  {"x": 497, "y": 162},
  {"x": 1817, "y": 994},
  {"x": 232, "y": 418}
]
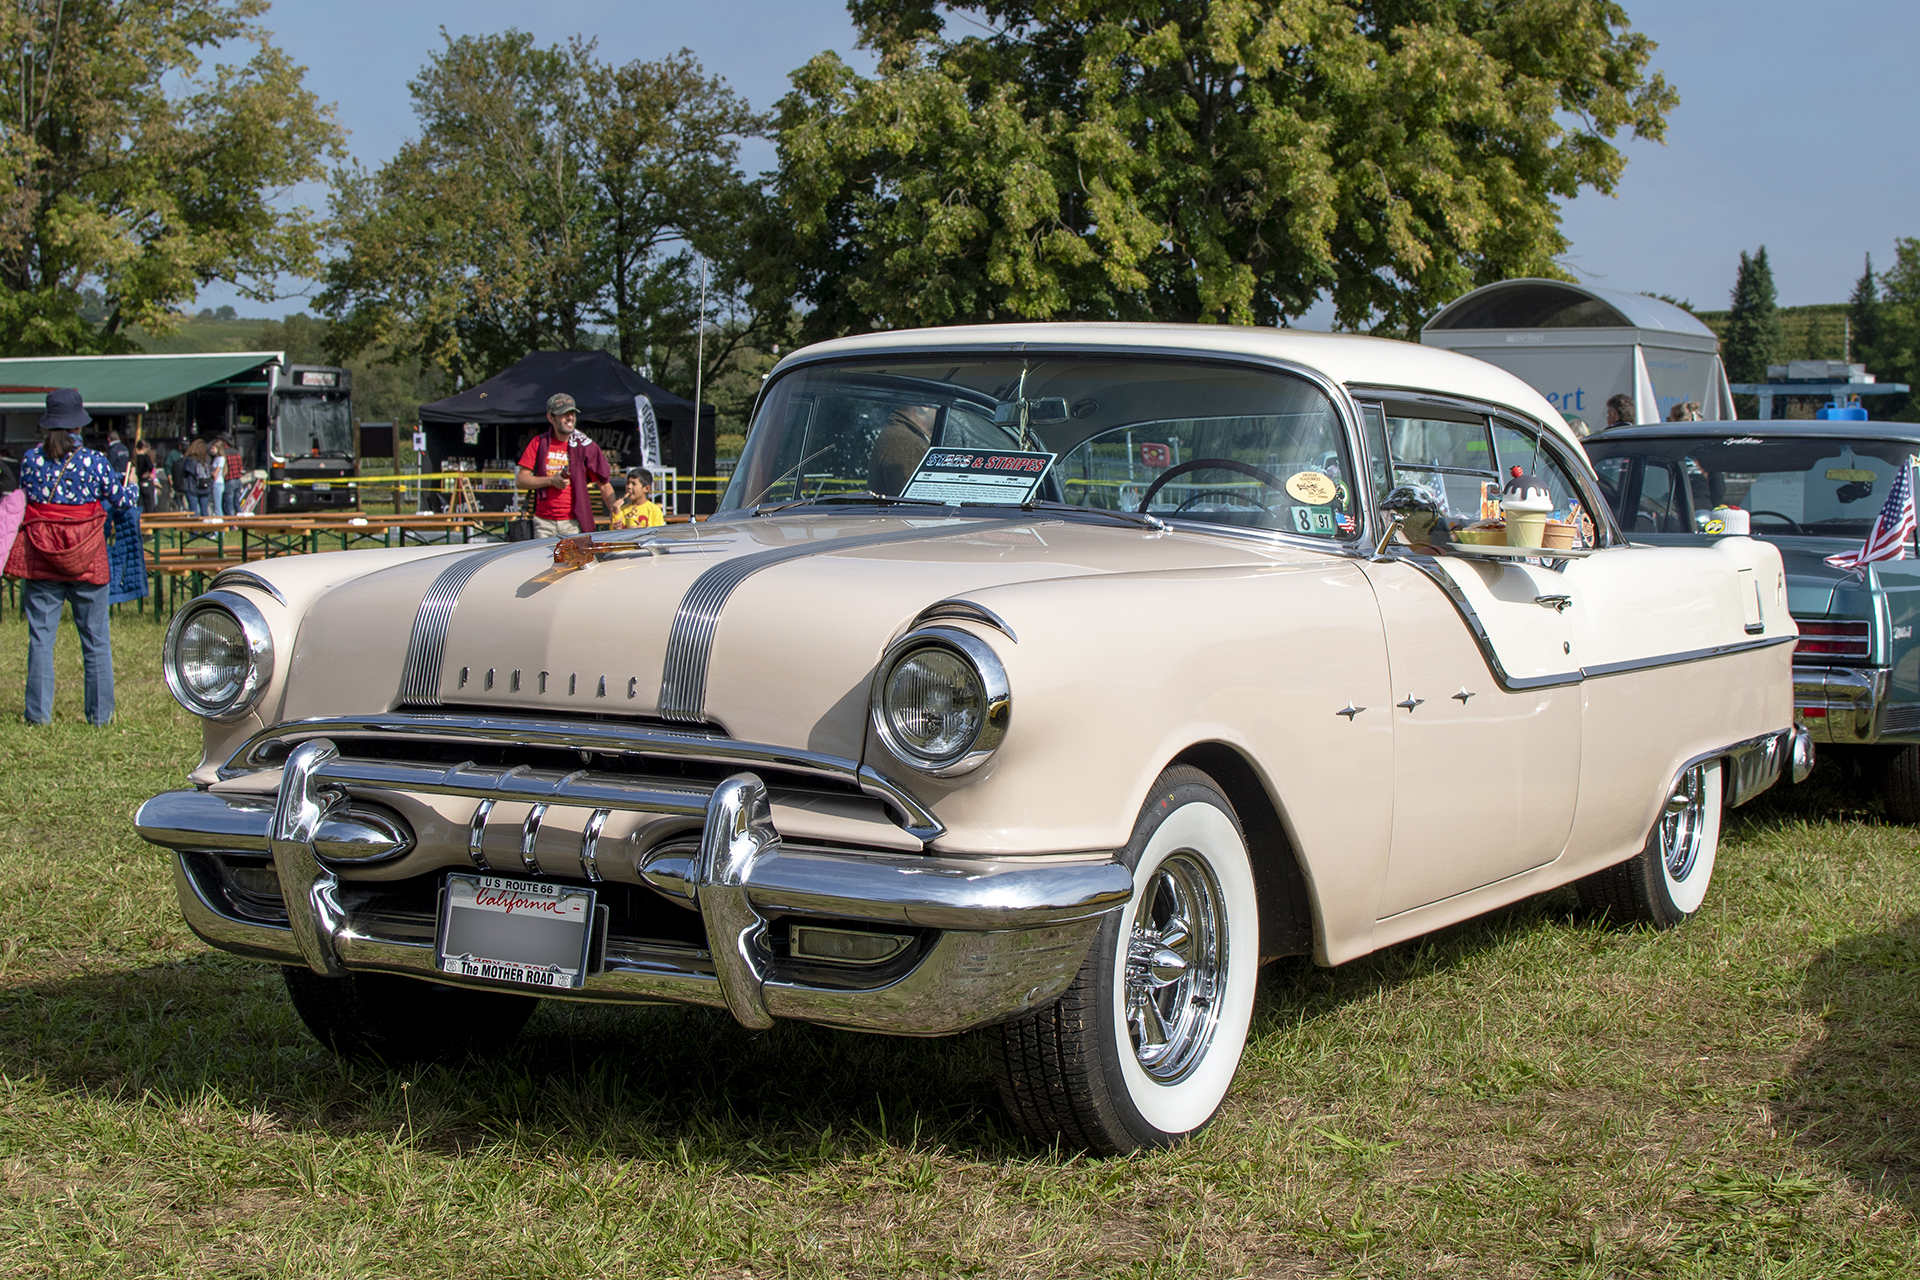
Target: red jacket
[{"x": 61, "y": 542}]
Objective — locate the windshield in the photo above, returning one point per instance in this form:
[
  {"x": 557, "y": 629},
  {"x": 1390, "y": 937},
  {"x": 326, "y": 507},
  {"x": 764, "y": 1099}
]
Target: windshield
[
  {"x": 1826, "y": 487},
  {"x": 1203, "y": 442},
  {"x": 307, "y": 423}
]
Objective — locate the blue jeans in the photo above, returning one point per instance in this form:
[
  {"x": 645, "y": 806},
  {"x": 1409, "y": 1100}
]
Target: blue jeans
[
  {"x": 217, "y": 497},
  {"x": 42, "y": 601},
  {"x": 197, "y": 503}
]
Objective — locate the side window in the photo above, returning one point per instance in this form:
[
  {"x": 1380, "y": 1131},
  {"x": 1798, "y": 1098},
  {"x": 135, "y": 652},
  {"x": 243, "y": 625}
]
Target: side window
[
  {"x": 1661, "y": 508},
  {"x": 1615, "y": 473},
  {"x": 1449, "y": 454}
]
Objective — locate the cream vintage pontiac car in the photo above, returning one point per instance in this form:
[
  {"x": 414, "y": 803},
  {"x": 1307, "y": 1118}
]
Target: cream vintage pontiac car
[{"x": 1042, "y": 678}]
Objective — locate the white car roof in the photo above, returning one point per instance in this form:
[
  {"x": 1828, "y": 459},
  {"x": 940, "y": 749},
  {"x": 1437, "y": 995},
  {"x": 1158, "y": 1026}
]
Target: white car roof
[{"x": 1346, "y": 358}]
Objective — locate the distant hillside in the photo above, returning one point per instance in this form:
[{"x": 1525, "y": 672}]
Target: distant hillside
[
  {"x": 240, "y": 334},
  {"x": 381, "y": 392},
  {"x": 1815, "y": 332}
]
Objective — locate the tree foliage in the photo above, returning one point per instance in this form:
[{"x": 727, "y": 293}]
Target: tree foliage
[
  {"x": 550, "y": 198},
  {"x": 133, "y": 176},
  {"x": 1229, "y": 160},
  {"x": 1752, "y": 340}
]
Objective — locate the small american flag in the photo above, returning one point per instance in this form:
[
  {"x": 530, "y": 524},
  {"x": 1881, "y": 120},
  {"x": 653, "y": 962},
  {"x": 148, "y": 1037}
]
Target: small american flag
[{"x": 1887, "y": 540}]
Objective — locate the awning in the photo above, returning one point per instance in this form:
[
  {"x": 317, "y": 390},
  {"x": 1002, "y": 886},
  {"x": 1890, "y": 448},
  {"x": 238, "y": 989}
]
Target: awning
[{"x": 122, "y": 384}]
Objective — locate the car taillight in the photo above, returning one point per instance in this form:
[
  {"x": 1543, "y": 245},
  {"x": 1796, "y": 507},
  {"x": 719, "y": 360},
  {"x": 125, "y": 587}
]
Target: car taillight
[{"x": 1835, "y": 639}]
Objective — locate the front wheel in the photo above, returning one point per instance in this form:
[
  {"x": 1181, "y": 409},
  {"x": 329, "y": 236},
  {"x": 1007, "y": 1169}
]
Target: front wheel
[
  {"x": 1141, "y": 1049},
  {"x": 1665, "y": 882}
]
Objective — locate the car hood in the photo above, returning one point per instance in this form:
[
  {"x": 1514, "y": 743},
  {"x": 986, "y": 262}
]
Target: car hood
[{"x": 768, "y": 628}]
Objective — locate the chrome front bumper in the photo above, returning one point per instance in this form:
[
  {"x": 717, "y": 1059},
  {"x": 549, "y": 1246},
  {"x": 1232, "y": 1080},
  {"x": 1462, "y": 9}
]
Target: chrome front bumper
[
  {"x": 1844, "y": 705},
  {"x": 1002, "y": 935}
]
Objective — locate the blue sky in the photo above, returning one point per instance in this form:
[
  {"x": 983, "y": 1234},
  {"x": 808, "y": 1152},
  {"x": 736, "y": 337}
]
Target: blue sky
[{"x": 1796, "y": 127}]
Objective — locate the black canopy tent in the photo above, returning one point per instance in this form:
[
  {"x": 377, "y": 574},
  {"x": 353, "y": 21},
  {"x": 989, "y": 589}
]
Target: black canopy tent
[{"x": 512, "y": 405}]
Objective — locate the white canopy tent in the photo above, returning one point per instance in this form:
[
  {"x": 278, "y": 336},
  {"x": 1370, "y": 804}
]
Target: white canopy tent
[{"x": 1578, "y": 345}]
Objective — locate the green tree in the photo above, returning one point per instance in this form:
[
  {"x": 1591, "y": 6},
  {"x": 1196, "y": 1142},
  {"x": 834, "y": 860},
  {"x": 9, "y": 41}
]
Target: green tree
[
  {"x": 1229, "y": 160},
  {"x": 1897, "y": 346},
  {"x": 133, "y": 177},
  {"x": 1752, "y": 340},
  {"x": 1863, "y": 319},
  {"x": 551, "y": 200}
]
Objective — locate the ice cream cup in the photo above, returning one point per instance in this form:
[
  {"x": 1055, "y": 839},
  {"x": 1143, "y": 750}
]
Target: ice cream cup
[
  {"x": 1559, "y": 535},
  {"x": 1526, "y": 519}
]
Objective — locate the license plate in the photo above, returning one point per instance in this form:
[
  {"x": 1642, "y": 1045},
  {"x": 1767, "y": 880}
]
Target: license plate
[
  {"x": 519, "y": 931},
  {"x": 321, "y": 486}
]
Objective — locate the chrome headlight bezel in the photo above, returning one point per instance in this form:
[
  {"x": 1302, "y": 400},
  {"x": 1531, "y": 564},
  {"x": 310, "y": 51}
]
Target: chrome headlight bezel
[
  {"x": 996, "y": 695},
  {"x": 259, "y": 641}
]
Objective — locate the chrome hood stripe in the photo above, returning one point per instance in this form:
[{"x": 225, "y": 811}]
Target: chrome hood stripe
[
  {"x": 683, "y": 677},
  {"x": 420, "y": 678}
]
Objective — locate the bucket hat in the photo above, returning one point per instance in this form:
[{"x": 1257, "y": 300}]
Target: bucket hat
[{"x": 65, "y": 411}]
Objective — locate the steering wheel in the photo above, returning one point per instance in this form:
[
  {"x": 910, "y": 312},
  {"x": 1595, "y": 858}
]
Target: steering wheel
[
  {"x": 1231, "y": 497},
  {"x": 1199, "y": 464},
  {"x": 1787, "y": 520}
]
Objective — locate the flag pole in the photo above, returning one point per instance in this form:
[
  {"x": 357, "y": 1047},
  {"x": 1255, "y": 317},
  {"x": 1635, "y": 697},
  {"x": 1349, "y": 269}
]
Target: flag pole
[{"x": 699, "y": 369}]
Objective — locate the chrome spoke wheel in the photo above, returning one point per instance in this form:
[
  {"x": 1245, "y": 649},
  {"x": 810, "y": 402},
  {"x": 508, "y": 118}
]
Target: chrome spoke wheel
[
  {"x": 1683, "y": 825},
  {"x": 1175, "y": 961}
]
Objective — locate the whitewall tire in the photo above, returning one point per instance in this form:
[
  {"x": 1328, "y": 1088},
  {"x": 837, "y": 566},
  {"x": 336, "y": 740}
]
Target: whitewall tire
[
  {"x": 1667, "y": 881},
  {"x": 1142, "y": 1048}
]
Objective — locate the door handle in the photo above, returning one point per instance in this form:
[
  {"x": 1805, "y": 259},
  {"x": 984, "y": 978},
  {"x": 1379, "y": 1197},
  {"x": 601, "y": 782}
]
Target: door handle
[{"x": 1559, "y": 604}]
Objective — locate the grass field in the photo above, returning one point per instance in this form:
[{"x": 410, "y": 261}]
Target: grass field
[{"x": 1528, "y": 1095}]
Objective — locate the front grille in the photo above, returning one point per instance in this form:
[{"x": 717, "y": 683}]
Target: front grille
[{"x": 1835, "y": 641}]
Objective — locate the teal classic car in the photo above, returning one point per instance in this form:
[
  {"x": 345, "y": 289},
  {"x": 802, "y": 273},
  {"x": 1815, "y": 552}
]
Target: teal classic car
[{"x": 1814, "y": 490}]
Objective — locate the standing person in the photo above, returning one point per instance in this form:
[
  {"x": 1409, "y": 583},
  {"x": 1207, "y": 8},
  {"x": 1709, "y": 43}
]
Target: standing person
[
  {"x": 146, "y": 473},
  {"x": 118, "y": 455},
  {"x": 549, "y": 465},
  {"x": 61, "y": 553},
  {"x": 230, "y": 505},
  {"x": 1619, "y": 411},
  {"x": 216, "y": 476},
  {"x": 196, "y": 477},
  {"x": 176, "y": 477},
  {"x": 637, "y": 508}
]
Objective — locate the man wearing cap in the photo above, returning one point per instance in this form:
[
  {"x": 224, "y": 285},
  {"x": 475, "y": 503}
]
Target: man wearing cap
[
  {"x": 61, "y": 553},
  {"x": 552, "y": 461}
]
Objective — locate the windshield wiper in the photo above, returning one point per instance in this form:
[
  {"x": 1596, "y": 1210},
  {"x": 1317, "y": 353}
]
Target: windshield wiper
[
  {"x": 863, "y": 496},
  {"x": 1139, "y": 519}
]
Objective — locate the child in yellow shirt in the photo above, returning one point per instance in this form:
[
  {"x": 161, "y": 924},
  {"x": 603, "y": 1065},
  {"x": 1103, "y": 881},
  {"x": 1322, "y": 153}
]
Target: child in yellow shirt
[{"x": 637, "y": 510}]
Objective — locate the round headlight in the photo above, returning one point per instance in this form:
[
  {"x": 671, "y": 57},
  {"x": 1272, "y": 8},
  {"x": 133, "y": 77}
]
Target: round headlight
[
  {"x": 942, "y": 704},
  {"x": 219, "y": 656}
]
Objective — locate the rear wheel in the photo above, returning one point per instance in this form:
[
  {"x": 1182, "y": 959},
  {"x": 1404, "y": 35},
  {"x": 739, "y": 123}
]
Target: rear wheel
[
  {"x": 384, "y": 1018},
  {"x": 1900, "y": 784},
  {"x": 1665, "y": 882},
  {"x": 1141, "y": 1049}
]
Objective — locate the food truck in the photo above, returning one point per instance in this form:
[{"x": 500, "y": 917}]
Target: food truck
[{"x": 308, "y": 451}]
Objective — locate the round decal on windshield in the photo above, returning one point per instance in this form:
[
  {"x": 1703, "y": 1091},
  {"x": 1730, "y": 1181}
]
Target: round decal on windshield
[{"x": 1311, "y": 487}]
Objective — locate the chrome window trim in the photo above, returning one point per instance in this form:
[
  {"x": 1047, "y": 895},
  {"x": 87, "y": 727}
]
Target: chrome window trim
[
  {"x": 1336, "y": 393},
  {"x": 611, "y": 737},
  {"x": 993, "y": 683},
  {"x": 1580, "y": 469},
  {"x": 260, "y": 654}
]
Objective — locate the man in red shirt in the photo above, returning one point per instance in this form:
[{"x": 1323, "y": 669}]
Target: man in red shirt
[{"x": 561, "y": 508}]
